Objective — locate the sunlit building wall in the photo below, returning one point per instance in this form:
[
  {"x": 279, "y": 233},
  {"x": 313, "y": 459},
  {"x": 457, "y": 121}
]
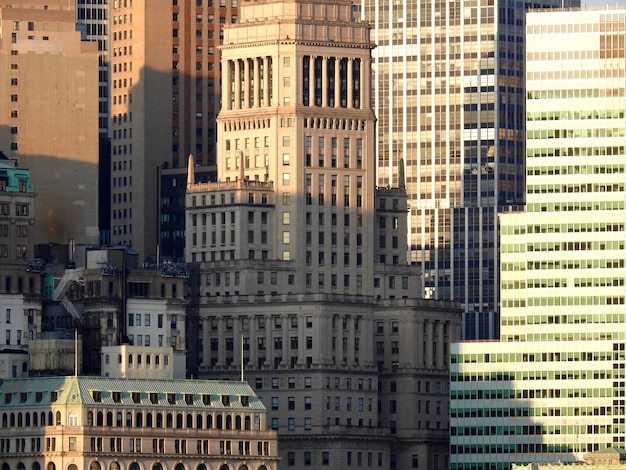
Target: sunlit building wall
[
  {"x": 448, "y": 93},
  {"x": 554, "y": 387}
]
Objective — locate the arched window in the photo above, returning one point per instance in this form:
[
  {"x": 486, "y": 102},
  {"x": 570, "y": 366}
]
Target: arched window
[
  {"x": 118, "y": 421},
  {"x": 169, "y": 421},
  {"x": 110, "y": 418},
  {"x": 157, "y": 360},
  {"x": 229, "y": 422},
  {"x": 72, "y": 466},
  {"x": 106, "y": 359},
  {"x": 243, "y": 467},
  {"x": 257, "y": 423},
  {"x": 220, "y": 420},
  {"x": 35, "y": 420},
  {"x": 134, "y": 466},
  {"x": 129, "y": 419},
  {"x": 90, "y": 418},
  {"x": 12, "y": 419},
  {"x": 5, "y": 420},
  {"x": 58, "y": 418},
  {"x": 262, "y": 467},
  {"x": 198, "y": 421},
  {"x": 157, "y": 466},
  {"x": 43, "y": 418},
  {"x": 51, "y": 466},
  {"x": 5, "y": 466},
  {"x": 179, "y": 466},
  {"x": 139, "y": 359},
  {"x": 20, "y": 420},
  {"x": 246, "y": 423},
  {"x": 100, "y": 419},
  {"x": 224, "y": 467},
  {"x": 138, "y": 419},
  {"x": 209, "y": 421},
  {"x": 50, "y": 418},
  {"x": 27, "y": 420},
  {"x": 166, "y": 360},
  {"x": 95, "y": 465},
  {"x": 237, "y": 422},
  {"x": 119, "y": 358},
  {"x": 189, "y": 420},
  {"x": 114, "y": 466},
  {"x": 179, "y": 421},
  {"x": 130, "y": 359},
  {"x": 148, "y": 360},
  {"x": 159, "y": 420},
  {"x": 21, "y": 466},
  {"x": 36, "y": 466},
  {"x": 73, "y": 418},
  {"x": 201, "y": 467},
  {"x": 149, "y": 419}
]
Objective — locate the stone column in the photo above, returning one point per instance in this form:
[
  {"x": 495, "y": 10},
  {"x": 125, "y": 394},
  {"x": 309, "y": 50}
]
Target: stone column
[
  {"x": 312, "y": 80},
  {"x": 253, "y": 343},
  {"x": 246, "y": 83},
  {"x": 364, "y": 83},
  {"x": 274, "y": 85},
  {"x": 221, "y": 347},
  {"x": 227, "y": 89},
  {"x": 206, "y": 342},
  {"x": 429, "y": 344},
  {"x": 366, "y": 342},
  {"x": 266, "y": 81},
  {"x": 237, "y": 84},
  {"x": 324, "y": 81},
  {"x": 286, "y": 345},
  {"x": 418, "y": 342},
  {"x": 351, "y": 332},
  {"x": 349, "y": 83},
  {"x": 340, "y": 340},
  {"x": 236, "y": 342},
  {"x": 440, "y": 343},
  {"x": 337, "y": 82},
  {"x": 257, "y": 82},
  {"x": 269, "y": 343},
  {"x": 301, "y": 341}
]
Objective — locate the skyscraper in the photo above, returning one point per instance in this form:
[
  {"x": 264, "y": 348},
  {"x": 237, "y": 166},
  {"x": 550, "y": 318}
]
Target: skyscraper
[
  {"x": 448, "y": 83},
  {"x": 301, "y": 258},
  {"x": 164, "y": 100},
  {"x": 554, "y": 387},
  {"x": 49, "y": 123}
]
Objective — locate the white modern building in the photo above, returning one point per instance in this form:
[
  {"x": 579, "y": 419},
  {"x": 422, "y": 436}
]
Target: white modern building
[{"x": 553, "y": 387}]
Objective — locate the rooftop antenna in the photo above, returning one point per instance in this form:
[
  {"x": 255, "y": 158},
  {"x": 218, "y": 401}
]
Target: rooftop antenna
[
  {"x": 75, "y": 352},
  {"x": 242, "y": 358}
]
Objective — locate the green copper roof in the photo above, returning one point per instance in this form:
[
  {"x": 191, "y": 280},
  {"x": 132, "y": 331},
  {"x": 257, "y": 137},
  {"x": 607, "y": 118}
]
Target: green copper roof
[{"x": 135, "y": 393}]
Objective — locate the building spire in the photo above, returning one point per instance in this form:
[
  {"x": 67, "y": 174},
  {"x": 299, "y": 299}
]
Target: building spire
[{"x": 191, "y": 176}]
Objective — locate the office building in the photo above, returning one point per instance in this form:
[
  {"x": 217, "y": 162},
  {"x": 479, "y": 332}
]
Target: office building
[
  {"x": 49, "y": 93},
  {"x": 553, "y": 388},
  {"x": 448, "y": 93},
  {"x": 165, "y": 95},
  {"x": 301, "y": 259},
  {"x": 100, "y": 423}
]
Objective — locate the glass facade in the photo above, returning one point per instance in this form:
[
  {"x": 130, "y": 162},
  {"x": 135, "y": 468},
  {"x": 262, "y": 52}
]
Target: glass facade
[
  {"x": 449, "y": 98},
  {"x": 558, "y": 373}
]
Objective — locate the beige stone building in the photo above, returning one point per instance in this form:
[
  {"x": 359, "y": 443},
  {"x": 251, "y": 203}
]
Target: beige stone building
[
  {"x": 49, "y": 98},
  {"x": 80, "y": 423},
  {"x": 303, "y": 275}
]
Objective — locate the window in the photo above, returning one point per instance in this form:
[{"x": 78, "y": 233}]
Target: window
[{"x": 307, "y": 459}]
